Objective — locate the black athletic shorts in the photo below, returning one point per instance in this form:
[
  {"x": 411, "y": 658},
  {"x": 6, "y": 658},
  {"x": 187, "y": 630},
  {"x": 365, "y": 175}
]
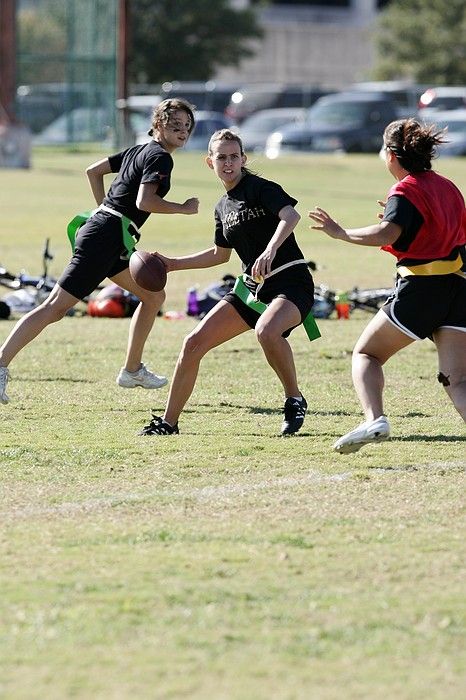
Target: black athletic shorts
[
  {"x": 302, "y": 296},
  {"x": 99, "y": 253},
  {"x": 422, "y": 304}
]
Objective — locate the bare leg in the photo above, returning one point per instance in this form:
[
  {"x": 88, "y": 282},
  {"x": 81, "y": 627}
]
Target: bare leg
[
  {"x": 52, "y": 309},
  {"x": 451, "y": 348},
  {"x": 279, "y": 316},
  {"x": 142, "y": 320},
  {"x": 377, "y": 343},
  {"x": 222, "y": 323}
]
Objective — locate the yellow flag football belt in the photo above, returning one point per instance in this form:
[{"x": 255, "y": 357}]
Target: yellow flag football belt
[{"x": 436, "y": 267}]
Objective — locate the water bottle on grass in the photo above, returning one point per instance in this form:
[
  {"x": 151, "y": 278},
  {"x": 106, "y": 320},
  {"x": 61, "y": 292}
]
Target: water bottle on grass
[
  {"x": 342, "y": 305},
  {"x": 193, "y": 304}
]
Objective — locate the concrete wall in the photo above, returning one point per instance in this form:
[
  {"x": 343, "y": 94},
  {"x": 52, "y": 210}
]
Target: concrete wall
[{"x": 318, "y": 45}]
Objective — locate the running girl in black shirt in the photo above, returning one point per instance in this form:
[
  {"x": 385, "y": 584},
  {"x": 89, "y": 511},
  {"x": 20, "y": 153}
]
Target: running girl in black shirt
[
  {"x": 256, "y": 218},
  {"x": 101, "y": 248}
]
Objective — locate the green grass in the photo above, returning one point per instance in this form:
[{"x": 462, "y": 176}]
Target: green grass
[{"x": 226, "y": 562}]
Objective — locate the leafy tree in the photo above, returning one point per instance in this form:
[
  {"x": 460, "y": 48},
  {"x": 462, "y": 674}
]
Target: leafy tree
[
  {"x": 187, "y": 39},
  {"x": 423, "y": 40}
]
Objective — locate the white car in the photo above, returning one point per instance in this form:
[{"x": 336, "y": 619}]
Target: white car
[
  {"x": 80, "y": 125},
  {"x": 455, "y": 122},
  {"x": 438, "y": 99}
]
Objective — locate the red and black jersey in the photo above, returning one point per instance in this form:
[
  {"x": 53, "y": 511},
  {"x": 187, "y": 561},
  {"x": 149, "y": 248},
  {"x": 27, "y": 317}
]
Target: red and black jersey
[{"x": 442, "y": 230}]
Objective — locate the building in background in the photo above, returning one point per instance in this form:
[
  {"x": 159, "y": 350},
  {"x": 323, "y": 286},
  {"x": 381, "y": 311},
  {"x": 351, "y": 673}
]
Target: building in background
[{"x": 322, "y": 43}]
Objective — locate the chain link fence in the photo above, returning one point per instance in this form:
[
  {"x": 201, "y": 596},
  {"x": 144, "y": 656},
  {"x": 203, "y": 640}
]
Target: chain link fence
[{"x": 66, "y": 69}]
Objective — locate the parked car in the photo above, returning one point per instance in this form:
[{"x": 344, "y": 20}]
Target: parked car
[
  {"x": 78, "y": 126},
  {"x": 38, "y": 105},
  {"x": 252, "y": 98},
  {"x": 212, "y": 96},
  {"x": 442, "y": 98},
  {"x": 206, "y": 123},
  {"x": 346, "y": 122},
  {"x": 455, "y": 121},
  {"x": 257, "y": 128},
  {"x": 404, "y": 94}
]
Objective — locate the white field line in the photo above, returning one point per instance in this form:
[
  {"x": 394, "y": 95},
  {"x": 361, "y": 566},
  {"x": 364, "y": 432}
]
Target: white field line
[{"x": 206, "y": 493}]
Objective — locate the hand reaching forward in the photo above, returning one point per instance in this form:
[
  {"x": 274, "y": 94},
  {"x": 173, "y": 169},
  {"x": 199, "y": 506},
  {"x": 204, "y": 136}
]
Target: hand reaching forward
[
  {"x": 326, "y": 223},
  {"x": 383, "y": 205}
]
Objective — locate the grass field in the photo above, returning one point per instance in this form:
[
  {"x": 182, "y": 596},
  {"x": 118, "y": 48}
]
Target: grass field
[{"x": 226, "y": 562}]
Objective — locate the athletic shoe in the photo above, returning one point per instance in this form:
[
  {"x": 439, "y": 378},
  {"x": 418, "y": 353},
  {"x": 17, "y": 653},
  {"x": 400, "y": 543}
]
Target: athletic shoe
[
  {"x": 371, "y": 431},
  {"x": 142, "y": 377},
  {"x": 4, "y": 375},
  {"x": 158, "y": 426},
  {"x": 295, "y": 410}
]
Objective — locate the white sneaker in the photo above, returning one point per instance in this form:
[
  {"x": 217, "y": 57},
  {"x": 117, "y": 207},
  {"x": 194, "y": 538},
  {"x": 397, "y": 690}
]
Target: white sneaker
[
  {"x": 371, "y": 431},
  {"x": 143, "y": 377},
  {"x": 4, "y": 376}
]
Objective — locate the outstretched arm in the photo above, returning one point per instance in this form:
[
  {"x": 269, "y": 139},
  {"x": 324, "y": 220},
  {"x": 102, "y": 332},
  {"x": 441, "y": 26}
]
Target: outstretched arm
[
  {"x": 381, "y": 234},
  {"x": 204, "y": 258},
  {"x": 149, "y": 200}
]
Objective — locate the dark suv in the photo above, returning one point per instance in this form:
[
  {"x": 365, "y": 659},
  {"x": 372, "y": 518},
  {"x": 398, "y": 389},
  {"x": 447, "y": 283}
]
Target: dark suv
[
  {"x": 252, "y": 98},
  {"x": 346, "y": 122}
]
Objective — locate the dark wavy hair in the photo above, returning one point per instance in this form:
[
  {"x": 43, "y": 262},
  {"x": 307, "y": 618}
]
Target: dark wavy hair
[
  {"x": 413, "y": 143},
  {"x": 163, "y": 111}
]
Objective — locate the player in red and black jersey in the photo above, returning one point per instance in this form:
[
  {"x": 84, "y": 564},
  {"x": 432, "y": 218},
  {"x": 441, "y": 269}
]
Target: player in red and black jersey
[
  {"x": 139, "y": 189},
  {"x": 424, "y": 227}
]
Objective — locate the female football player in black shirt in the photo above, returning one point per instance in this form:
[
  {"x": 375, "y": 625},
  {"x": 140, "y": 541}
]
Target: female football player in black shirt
[
  {"x": 256, "y": 218},
  {"x": 139, "y": 188}
]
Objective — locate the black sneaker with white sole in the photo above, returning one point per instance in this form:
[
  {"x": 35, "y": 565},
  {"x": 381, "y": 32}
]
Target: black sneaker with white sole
[
  {"x": 294, "y": 410},
  {"x": 158, "y": 426}
]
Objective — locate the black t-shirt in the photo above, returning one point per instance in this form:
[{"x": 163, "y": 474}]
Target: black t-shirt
[
  {"x": 135, "y": 166},
  {"x": 246, "y": 218}
]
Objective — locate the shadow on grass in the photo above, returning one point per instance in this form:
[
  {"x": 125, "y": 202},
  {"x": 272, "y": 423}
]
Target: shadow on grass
[
  {"x": 261, "y": 410},
  {"x": 70, "y": 380},
  {"x": 411, "y": 438},
  {"x": 431, "y": 438}
]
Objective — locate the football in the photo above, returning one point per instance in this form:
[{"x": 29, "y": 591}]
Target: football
[{"x": 148, "y": 270}]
